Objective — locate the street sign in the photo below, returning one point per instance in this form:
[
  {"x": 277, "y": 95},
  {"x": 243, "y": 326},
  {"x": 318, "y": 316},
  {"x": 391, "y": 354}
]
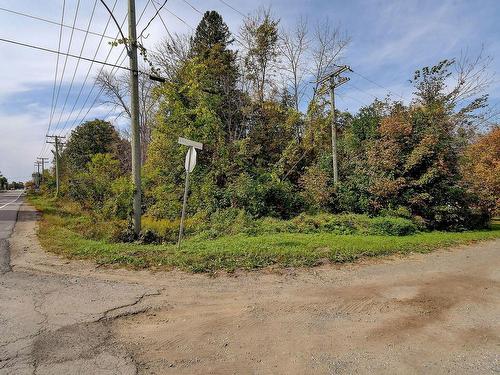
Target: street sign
[
  {"x": 189, "y": 165},
  {"x": 190, "y": 162},
  {"x": 190, "y": 143}
]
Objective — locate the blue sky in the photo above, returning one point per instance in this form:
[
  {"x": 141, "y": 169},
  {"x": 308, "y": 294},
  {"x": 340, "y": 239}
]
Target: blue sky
[{"x": 389, "y": 41}]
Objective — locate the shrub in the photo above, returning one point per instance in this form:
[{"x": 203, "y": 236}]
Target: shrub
[
  {"x": 119, "y": 203},
  {"x": 341, "y": 224},
  {"x": 391, "y": 226},
  {"x": 149, "y": 236},
  {"x": 265, "y": 195},
  {"x": 229, "y": 221},
  {"x": 165, "y": 230},
  {"x": 316, "y": 188}
]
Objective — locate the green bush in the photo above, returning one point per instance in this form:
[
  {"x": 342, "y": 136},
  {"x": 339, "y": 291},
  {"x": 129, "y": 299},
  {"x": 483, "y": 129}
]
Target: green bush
[
  {"x": 165, "y": 230},
  {"x": 342, "y": 224},
  {"x": 265, "y": 195},
  {"x": 391, "y": 226}
]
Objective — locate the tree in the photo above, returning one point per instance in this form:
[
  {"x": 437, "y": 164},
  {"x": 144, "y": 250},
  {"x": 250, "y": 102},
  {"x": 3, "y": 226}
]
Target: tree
[
  {"x": 293, "y": 47},
  {"x": 260, "y": 33},
  {"x": 3, "y": 182},
  {"x": 210, "y": 48},
  {"x": 171, "y": 53},
  {"x": 116, "y": 89},
  {"x": 408, "y": 156},
  {"x": 480, "y": 169},
  {"x": 94, "y": 186},
  {"x": 88, "y": 139},
  {"x": 327, "y": 47},
  {"x": 211, "y": 33}
]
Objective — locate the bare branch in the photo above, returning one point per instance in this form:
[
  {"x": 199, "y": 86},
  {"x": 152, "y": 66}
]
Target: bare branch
[{"x": 293, "y": 46}]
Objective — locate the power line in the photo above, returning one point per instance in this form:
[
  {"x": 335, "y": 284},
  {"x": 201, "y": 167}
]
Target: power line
[
  {"x": 90, "y": 68},
  {"x": 200, "y": 12},
  {"x": 64, "y": 65},
  {"x": 67, "y": 54},
  {"x": 179, "y": 18},
  {"x": 55, "y": 76},
  {"x": 152, "y": 18},
  {"x": 377, "y": 84},
  {"x": 51, "y": 22},
  {"x": 233, "y": 8},
  {"x": 193, "y": 7},
  {"x": 162, "y": 21},
  {"x": 116, "y": 23},
  {"x": 77, "y": 64},
  {"x": 111, "y": 72},
  {"x": 363, "y": 91},
  {"x": 343, "y": 96}
]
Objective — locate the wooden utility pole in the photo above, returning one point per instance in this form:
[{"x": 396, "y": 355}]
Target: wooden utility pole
[
  {"x": 57, "y": 143},
  {"x": 42, "y": 160},
  {"x": 334, "y": 80},
  {"x": 37, "y": 180},
  {"x": 134, "y": 116}
]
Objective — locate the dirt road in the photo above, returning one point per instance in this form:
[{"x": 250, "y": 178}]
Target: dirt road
[{"x": 424, "y": 314}]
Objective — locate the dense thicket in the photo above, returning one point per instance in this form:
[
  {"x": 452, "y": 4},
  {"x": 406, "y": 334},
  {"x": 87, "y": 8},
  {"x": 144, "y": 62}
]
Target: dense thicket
[{"x": 264, "y": 157}]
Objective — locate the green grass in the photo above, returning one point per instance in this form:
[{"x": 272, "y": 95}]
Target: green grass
[{"x": 60, "y": 232}]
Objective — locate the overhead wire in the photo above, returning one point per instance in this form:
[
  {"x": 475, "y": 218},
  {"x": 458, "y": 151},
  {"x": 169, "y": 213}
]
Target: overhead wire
[
  {"x": 77, "y": 64},
  {"x": 116, "y": 23},
  {"x": 162, "y": 21},
  {"x": 111, "y": 72},
  {"x": 51, "y": 22},
  {"x": 65, "y": 54},
  {"x": 65, "y": 63},
  {"x": 233, "y": 8},
  {"x": 90, "y": 69},
  {"x": 200, "y": 12},
  {"x": 377, "y": 84},
  {"x": 56, "y": 73},
  {"x": 152, "y": 19}
]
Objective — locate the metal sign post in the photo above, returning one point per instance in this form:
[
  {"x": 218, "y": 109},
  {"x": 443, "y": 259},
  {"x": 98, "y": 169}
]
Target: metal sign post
[{"x": 189, "y": 165}]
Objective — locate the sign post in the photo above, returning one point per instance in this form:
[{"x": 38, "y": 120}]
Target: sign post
[{"x": 189, "y": 165}]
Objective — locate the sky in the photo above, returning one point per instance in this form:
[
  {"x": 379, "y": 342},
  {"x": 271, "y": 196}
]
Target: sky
[{"x": 389, "y": 41}]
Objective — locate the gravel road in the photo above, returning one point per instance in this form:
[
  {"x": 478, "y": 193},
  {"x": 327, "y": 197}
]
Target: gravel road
[{"x": 437, "y": 313}]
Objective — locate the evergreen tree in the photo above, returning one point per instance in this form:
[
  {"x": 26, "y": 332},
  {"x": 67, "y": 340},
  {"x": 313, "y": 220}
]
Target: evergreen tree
[{"x": 210, "y": 33}]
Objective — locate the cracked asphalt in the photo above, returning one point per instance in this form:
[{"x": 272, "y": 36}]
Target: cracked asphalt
[
  {"x": 435, "y": 313},
  {"x": 57, "y": 324}
]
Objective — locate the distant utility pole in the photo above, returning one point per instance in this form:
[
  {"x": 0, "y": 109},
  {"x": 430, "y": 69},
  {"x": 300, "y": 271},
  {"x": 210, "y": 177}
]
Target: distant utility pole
[
  {"x": 57, "y": 143},
  {"x": 42, "y": 160},
  {"x": 134, "y": 116},
  {"x": 334, "y": 80},
  {"x": 37, "y": 179}
]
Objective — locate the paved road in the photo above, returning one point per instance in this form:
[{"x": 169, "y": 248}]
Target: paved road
[
  {"x": 42, "y": 311},
  {"x": 10, "y": 202},
  {"x": 436, "y": 313}
]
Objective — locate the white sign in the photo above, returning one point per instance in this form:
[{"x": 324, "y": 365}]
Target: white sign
[
  {"x": 190, "y": 143},
  {"x": 190, "y": 162}
]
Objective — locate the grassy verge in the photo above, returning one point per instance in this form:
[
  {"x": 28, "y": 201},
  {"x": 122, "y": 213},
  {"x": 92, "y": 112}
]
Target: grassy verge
[{"x": 61, "y": 232}]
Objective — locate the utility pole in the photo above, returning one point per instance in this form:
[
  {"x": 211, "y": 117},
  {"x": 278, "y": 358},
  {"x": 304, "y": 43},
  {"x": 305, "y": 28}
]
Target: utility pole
[
  {"x": 334, "y": 80},
  {"x": 37, "y": 180},
  {"x": 42, "y": 160},
  {"x": 57, "y": 143},
  {"x": 134, "y": 116}
]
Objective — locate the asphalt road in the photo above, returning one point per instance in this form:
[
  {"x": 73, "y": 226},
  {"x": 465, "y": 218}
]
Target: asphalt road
[
  {"x": 10, "y": 201},
  {"x": 41, "y": 311}
]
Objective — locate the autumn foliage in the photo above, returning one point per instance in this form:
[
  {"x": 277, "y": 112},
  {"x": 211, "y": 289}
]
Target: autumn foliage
[{"x": 480, "y": 169}]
